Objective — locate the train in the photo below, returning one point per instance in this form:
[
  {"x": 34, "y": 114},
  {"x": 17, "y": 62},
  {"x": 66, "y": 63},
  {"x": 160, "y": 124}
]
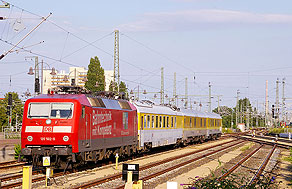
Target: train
[{"x": 74, "y": 129}]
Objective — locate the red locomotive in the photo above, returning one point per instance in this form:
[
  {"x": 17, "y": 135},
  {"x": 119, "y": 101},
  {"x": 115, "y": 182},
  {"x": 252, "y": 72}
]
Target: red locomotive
[{"x": 76, "y": 128}]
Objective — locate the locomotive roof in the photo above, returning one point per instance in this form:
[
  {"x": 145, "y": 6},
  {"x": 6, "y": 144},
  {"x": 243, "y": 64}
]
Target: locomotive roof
[{"x": 94, "y": 101}]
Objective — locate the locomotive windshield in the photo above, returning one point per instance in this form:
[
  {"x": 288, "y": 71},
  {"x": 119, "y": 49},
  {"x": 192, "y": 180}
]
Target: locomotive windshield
[{"x": 50, "y": 110}]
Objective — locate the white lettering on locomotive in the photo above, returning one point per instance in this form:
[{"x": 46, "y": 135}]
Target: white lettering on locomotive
[
  {"x": 47, "y": 138},
  {"x": 98, "y": 118},
  {"x": 107, "y": 130}
]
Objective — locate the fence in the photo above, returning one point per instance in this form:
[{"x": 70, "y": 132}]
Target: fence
[{"x": 11, "y": 132}]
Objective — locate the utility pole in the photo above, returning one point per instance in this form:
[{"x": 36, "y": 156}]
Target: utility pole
[
  {"x": 231, "y": 122},
  {"x": 219, "y": 103},
  {"x": 116, "y": 62},
  {"x": 174, "y": 89},
  {"x": 186, "y": 93},
  {"x": 266, "y": 105},
  {"x": 247, "y": 117},
  {"x": 277, "y": 102},
  {"x": 162, "y": 87},
  {"x": 209, "y": 97},
  {"x": 237, "y": 107},
  {"x": 42, "y": 81},
  {"x": 283, "y": 101}
]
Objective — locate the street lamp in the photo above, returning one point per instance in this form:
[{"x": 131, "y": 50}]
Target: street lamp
[
  {"x": 73, "y": 80},
  {"x": 132, "y": 92},
  {"x": 37, "y": 80}
]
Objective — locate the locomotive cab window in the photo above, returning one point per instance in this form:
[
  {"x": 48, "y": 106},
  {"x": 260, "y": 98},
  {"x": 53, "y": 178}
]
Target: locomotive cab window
[
  {"x": 39, "y": 110},
  {"x": 61, "y": 110},
  {"x": 50, "y": 110}
]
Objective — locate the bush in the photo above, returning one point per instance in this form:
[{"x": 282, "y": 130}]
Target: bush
[
  {"x": 279, "y": 130},
  {"x": 17, "y": 150},
  {"x": 231, "y": 182}
]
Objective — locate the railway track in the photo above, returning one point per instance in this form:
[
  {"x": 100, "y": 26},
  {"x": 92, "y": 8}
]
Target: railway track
[
  {"x": 282, "y": 143},
  {"x": 254, "y": 174},
  {"x": 228, "y": 172},
  {"x": 182, "y": 160},
  {"x": 38, "y": 176},
  {"x": 262, "y": 167},
  {"x": 10, "y": 165}
]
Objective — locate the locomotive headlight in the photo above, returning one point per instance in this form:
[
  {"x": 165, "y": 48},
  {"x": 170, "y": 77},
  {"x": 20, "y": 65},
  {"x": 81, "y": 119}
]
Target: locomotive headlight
[
  {"x": 65, "y": 138},
  {"x": 29, "y": 138},
  {"x": 48, "y": 121}
]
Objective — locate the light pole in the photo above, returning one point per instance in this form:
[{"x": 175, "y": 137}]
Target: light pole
[
  {"x": 132, "y": 92},
  {"x": 37, "y": 80}
]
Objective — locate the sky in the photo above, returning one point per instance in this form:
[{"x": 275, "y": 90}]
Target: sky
[{"x": 233, "y": 44}]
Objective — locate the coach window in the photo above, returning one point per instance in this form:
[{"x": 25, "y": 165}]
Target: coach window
[
  {"x": 160, "y": 121},
  {"x": 148, "y": 121},
  {"x": 142, "y": 120},
  {"x": 175, "y": 122},
  {"x": 152, "y": 122},
  {"x": 205, "y": 123},
  {"x": 171, "y": 121},
  {"x": 156, "y": 121},
  {"x": 145, "y": 123},
  {"x": 167, "y": 121},
  {"x": 190, "y": 122},
  {"x": 195, "y": 122},
  {"x": 163, "y": 121}
]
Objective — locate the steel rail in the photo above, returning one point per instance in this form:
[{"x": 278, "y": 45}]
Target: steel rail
[
  {"x": 262, "y": 167},
  {"x": 38, "y": 179},
  {"x": 11, "y": 165},
  {"x": 17, "y": 176},
  {"x": 7, "y": 162},
  {"x": 228, "y": 172},
  {"x": 119, "y": 175},
  {"x": 280, "y": 145}
]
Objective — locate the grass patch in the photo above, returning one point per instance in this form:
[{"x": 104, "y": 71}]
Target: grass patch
[
  {"x": 227, "y": 130},
  {"x": 289, "y": 158},
  {"x": 279, "y": 130},
  {"x": 246, "y": 147}
]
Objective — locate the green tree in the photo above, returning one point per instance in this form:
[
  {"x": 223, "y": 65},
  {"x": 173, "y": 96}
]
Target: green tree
[
  {"x": 123, "y": 88},
  {"x": 113, "y": 86},
  {"x": 245, "y": 109},
  {"x": 16, "y": 111},
  {"x": 95, "y": 76}
]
